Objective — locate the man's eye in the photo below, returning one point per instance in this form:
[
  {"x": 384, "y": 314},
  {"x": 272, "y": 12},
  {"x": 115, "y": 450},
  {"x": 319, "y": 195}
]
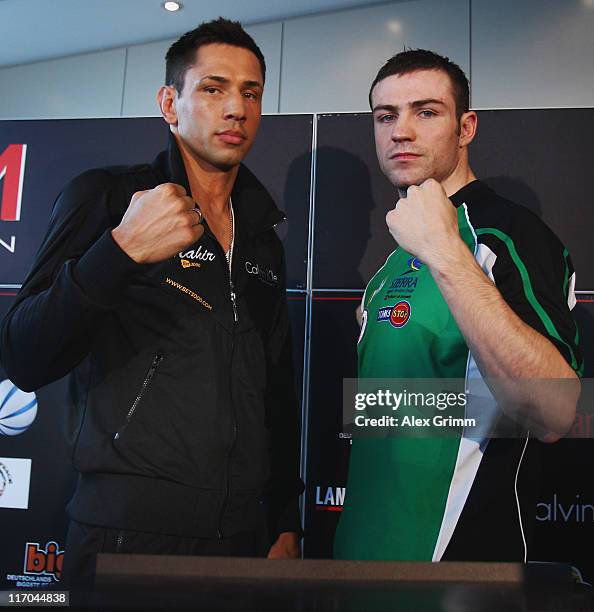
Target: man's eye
[
  {"x": 250, "y": 94},
  {"x": 427, "y": 114},
  {"x": 385, "y": 118},
  {"x": 211, "y": 90}
]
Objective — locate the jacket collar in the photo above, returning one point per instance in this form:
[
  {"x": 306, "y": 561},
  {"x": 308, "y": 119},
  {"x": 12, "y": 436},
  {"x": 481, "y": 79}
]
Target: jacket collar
[{"x": 253, "y": 206}]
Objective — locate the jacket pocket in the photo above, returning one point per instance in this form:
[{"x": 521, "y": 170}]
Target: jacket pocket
[{"x": 157, "y": 359}]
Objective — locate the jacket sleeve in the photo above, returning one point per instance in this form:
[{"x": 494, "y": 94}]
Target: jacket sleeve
[
  {"x": 534, "y": 274},
  {"x": 283, "y": 415},
  {"x": 76, "y": 279}
]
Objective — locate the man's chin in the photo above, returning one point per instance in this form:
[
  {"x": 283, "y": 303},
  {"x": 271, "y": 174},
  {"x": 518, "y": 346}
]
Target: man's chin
[
  {"x": 403, "y": 182},
  {"x": 402, "y": 185},
  {"x": 226, "y": 165},
  {"x": 226, "y": 162}
]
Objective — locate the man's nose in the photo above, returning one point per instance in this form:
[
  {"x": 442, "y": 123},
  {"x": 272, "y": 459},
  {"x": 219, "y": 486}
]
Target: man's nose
[
  {"x": 235, "y": 107},
  {"x": 402, "y": 128}
]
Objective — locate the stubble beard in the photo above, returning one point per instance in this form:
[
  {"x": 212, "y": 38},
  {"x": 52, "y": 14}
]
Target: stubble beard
[{"x": 221, "y": 162}]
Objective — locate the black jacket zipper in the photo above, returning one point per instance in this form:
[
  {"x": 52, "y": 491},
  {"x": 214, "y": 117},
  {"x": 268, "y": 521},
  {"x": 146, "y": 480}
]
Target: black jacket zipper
[
  {"x": 157, "y": 359},
  {"x": 233, "y": 299},
  {"x": 232, "y": 295}
]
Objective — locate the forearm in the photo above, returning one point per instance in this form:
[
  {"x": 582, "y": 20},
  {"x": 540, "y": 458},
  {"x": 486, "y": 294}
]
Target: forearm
[
  {"x": 505, "y": 348},
  {"x": 50, "y": 328}
]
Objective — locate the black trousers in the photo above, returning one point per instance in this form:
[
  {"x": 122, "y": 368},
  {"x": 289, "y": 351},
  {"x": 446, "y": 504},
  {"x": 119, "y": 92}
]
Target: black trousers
[{"x": 84, "y": 542}]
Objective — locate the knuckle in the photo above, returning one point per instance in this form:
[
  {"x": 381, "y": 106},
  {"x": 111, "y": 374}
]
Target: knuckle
[
  {"x": 169, "y": 189},
  {"x": 180, "y": 204},
  {"x": 136, "y": 195},
  {"x": 160, "y": 190},
  {"x": 178, "y": 189}
]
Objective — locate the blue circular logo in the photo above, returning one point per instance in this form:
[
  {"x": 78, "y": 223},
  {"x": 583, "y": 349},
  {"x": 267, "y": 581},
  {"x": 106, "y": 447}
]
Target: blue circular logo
[
  {"x": 415, "y": 264},
  {"x": 18, "y": 409}
]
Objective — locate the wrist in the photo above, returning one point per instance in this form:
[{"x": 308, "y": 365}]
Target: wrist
[
  {"x": 455, "y": 256},
  {"x": 120, "y": 237}
]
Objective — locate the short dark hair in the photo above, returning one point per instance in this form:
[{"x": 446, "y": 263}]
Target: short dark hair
[
  {"x": 182, "y": 53},
  {"x": 412, "y": 60}
]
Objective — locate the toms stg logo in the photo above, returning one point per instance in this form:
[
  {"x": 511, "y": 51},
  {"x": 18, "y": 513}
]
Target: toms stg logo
[
  {"x": 330, "y": 499},
  {"x": 397, "y": 315},
  {"x": 43, "y": 561},
  {"x": 12, "y": 174}
]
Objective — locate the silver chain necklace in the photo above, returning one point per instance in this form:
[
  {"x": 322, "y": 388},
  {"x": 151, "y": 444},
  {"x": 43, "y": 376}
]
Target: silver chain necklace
[{"x": 229, "y": 252}]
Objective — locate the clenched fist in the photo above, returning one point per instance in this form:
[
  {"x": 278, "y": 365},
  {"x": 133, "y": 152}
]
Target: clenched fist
[
  {"x": 159, "y": 223},
  {"x": 425, "y": 222}
]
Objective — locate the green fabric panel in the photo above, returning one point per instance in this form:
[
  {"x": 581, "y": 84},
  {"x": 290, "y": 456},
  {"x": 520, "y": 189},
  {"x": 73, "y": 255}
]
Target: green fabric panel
[{"x": 398, "y": 487}]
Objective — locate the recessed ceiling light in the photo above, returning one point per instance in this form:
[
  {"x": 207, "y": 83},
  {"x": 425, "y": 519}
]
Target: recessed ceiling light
[
  {"x": 172, "y": 6},
  {"x": 394, "y": 26}
]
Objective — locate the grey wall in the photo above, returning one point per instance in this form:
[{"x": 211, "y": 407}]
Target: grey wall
[
  {"x": 518, "y": 53},
  {"x": 537, "y": 53},
  {"x": 145, "y": 70},
  {"x": 330, "y": 60}
]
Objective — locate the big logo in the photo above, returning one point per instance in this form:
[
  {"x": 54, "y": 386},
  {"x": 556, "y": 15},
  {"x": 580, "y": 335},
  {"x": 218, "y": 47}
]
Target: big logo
[
  {"x": 44, "y": 561},
  {"x": 18, "y": 409},
  {"x": 12, "y": 173}
]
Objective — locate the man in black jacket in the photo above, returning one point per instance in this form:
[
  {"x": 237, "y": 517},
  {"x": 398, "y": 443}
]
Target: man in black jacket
[{"x": 162, "y": 288}]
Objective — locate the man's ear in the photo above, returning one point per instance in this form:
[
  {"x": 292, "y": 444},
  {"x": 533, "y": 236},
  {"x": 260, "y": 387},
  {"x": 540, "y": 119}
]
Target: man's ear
[
  {"x": 166, "y": 99},
  {"x": 468, "y": 125}
]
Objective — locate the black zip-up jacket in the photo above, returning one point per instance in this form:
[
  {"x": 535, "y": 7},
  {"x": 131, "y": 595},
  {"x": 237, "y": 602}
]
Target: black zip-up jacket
[{"x": 183, "y": 417}]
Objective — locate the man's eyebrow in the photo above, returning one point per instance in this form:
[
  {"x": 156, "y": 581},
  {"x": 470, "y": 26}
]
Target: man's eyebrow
[
  {"x": 426, "y": 101},
  {"x": 415, "y": 104},
  {"x": 214, "y": 77},
  {"x": 385, "y": 107},
  {"x": 253, "y": 84},
  {"x": 224, "y": 80}
]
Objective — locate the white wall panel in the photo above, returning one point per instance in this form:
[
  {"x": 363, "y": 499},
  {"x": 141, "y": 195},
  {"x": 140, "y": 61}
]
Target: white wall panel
[
  {"x": 145, "y": 71},
  {"x": 87, "y": 85},
  {"x": 330, "y": 60},
  {"x": 269, "y": 39},
  {"x": 532, "y": 53},
  {"x": 525, "y": 53}
]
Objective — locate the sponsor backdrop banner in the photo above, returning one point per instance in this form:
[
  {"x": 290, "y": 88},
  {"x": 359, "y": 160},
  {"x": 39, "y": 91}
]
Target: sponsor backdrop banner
[
  {"x": 36, "y": 480},
  {"x": 510, "y": 153},
  {"x": 37, "y": 158},
  {"x": 350, "y": 242}
]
